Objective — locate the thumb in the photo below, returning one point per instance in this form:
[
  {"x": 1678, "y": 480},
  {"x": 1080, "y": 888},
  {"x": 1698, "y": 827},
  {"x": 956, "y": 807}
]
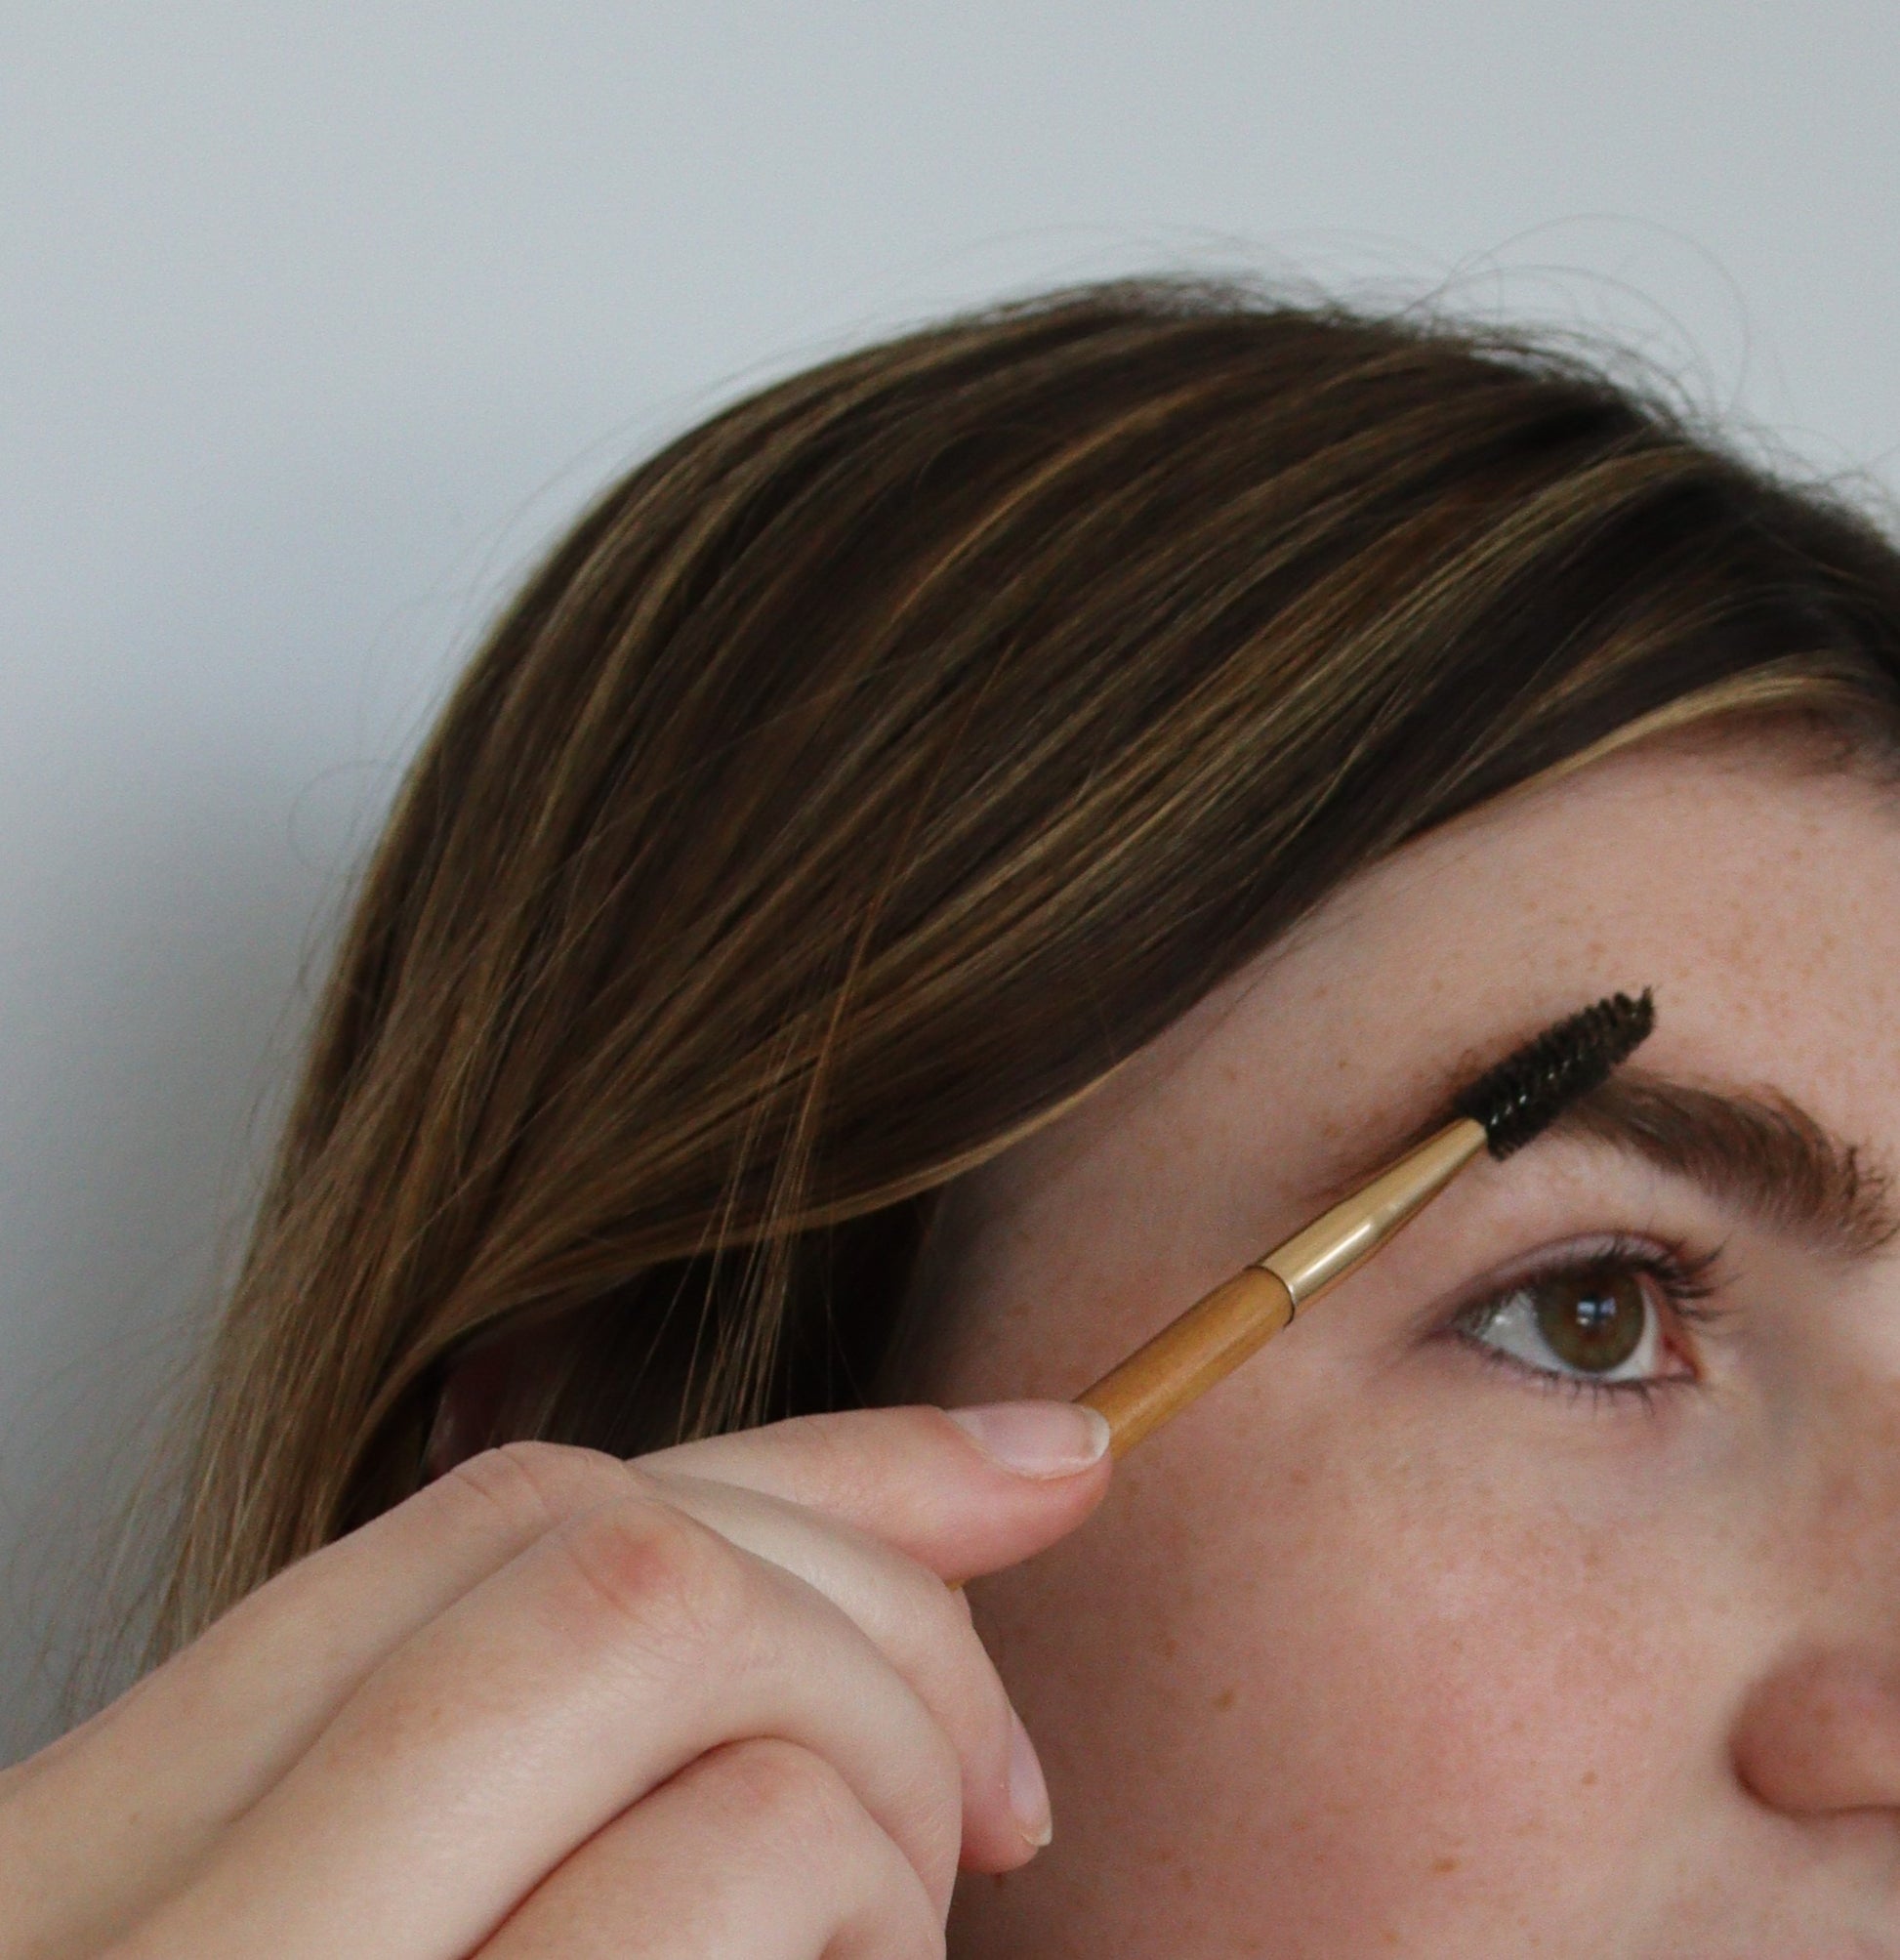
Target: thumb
[{"x": 962, "y": 1491}]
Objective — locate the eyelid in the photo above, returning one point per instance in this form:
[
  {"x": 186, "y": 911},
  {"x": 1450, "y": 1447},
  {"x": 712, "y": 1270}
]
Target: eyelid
[{"x": 1696, "y": 1272}]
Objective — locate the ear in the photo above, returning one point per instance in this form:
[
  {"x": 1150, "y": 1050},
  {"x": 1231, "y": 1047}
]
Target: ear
[{"x": 487, "y": 1394}]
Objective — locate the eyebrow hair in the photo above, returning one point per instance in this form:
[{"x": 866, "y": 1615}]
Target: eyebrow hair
[{"x": 1759, "y": 1150}]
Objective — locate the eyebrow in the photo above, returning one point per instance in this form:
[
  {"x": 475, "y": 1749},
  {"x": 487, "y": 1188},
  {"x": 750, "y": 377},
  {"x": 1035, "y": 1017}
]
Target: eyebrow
[{"x": 1758, "y": 1150}]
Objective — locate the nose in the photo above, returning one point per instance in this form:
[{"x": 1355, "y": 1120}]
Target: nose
[{"x": 1821, "y": 1733}]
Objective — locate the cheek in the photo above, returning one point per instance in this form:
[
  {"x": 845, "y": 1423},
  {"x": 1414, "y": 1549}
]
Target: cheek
[{"x": 1380, "y": 1691}]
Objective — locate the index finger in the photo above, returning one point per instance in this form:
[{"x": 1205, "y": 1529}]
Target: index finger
[{"x": 962, "y": 1491}]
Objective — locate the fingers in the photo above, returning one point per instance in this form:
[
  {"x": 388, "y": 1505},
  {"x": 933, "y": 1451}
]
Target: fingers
[
  {"x": 922, "y": 1629},
  {"x": 205, "y": 1741},
  {"x": 204, "y": 1737},
  {"x": 963, "y": 1493},
  {"x": 759, "y": 1851},
  {"x": 624, "y": 1645}
]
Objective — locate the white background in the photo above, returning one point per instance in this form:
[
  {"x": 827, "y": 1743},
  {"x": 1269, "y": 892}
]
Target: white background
[{"x": 316, "y": 321}]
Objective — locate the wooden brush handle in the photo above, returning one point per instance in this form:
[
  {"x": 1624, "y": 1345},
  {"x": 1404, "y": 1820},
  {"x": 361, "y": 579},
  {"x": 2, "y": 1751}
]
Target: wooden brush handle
[{"x": 1190, "y": 1355}]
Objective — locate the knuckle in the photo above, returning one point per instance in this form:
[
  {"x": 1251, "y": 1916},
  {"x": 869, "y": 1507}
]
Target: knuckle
[
  {"x": 531, "y": 1486},
  {"x": 800, "y": 1813},
  {"x": 641, "y": 1570},
  {"x": 794, "y": 1795}
]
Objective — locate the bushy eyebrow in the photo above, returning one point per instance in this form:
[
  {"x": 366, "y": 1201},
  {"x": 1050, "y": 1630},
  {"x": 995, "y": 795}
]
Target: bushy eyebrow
[{"x": 1759, "y": 1151}]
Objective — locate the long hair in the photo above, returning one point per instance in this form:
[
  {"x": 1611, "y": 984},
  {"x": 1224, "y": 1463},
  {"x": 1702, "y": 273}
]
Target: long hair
[{"x": 868, "y": 773}]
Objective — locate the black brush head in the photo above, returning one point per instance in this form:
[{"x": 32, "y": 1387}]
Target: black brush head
[{"x": 1532, "y": 1086}]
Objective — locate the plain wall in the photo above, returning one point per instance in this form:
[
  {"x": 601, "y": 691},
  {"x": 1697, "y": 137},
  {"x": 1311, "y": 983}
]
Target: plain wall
[{"x": 317, "y": 322}]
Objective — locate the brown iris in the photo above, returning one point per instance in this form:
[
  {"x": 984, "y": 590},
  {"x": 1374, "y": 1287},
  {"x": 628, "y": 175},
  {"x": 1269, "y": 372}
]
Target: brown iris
[{"x": 1593, "y": 1321}]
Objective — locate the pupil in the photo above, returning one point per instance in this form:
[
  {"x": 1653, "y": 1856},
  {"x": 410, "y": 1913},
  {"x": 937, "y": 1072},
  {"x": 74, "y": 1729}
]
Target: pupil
[{"x": 1592, "y": 1322}]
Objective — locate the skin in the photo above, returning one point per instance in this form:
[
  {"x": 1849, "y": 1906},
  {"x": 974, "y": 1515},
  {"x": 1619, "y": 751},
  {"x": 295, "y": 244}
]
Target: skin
[
  {"x": 718, "y": 1702},
  {"x": 1383, "y": 1645}
]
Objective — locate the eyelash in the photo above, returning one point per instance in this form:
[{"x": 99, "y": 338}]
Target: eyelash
[{"x": 1683, "y": 1279}]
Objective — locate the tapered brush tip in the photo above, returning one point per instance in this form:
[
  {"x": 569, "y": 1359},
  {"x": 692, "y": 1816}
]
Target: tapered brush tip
[{"x": 1531, "y": 1088}]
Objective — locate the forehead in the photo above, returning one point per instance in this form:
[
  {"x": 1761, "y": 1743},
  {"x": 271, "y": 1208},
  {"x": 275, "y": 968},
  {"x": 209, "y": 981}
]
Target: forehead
[{"x": 1757, "y": 892}]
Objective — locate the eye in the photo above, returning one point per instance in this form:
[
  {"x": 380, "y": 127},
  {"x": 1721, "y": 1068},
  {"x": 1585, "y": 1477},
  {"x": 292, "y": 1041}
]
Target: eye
[{"x": 1607, "y": 1320}]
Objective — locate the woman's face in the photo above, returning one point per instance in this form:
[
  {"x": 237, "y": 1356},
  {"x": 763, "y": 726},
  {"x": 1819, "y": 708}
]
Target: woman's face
[{"x": 1414, "y": 1636}]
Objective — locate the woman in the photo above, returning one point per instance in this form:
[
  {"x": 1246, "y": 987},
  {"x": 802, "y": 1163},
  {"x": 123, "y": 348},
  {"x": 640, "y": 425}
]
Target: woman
[{"x": 942, "y": 866}]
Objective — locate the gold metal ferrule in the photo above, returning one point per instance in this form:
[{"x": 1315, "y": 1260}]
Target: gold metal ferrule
[{"x": 1338, "y": 1240}]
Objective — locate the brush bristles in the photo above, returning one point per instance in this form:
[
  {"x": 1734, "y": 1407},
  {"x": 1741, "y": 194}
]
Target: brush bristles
[{"x": 1531, "y": 1086}]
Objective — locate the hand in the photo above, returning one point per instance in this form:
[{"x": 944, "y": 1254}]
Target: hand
[{"x": 718, "y": 1701}]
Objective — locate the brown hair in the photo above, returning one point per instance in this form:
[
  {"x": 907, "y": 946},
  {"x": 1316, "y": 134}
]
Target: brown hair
[{"x": 873, "y": 769}]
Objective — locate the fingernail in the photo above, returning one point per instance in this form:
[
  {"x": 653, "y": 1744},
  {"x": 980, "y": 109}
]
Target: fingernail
[
  {"x": 1028, "y": 1791},
  {"x": 1036, "y": 1439}
]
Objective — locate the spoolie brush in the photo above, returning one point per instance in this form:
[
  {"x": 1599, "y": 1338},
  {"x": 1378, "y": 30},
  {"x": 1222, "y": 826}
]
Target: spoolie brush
[
  {"x": 1532, "y": 1086},
  {"x": 1503, "y": 1111}
]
